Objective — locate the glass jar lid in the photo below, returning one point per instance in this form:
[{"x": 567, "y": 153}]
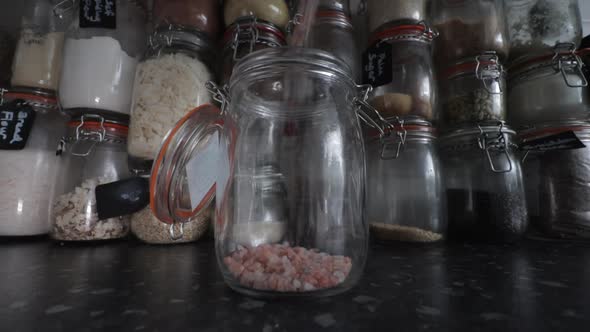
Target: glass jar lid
[
  {"x": 412, "y": 32},
  {"x": 486, "y": 65},
  {"x": 252, "y": 31}
]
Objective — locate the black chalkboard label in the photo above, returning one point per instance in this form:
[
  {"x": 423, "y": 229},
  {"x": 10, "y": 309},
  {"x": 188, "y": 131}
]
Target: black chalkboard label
[
  {"x": 98, "y": 14},
  {"x": 566, "y": 140},
  {"x": 122, "y": 197},
  {"x": 16, "y": 122},
  {"x": 377, "y": 65}
]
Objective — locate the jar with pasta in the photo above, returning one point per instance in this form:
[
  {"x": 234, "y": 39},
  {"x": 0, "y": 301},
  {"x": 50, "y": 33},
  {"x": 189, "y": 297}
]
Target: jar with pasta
[
  {"x": 92, "y": 153},
  {"x": 272, "y": 11},
  {"x": 200, "y": 15},
  {"x": 169, "y": 82}
]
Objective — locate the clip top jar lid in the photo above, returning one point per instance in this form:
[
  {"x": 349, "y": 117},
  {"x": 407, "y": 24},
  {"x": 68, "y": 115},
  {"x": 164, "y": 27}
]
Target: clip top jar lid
[
  {"x": 411, "y": 127},
  {"x": 333, "y": 16},
  {"x": 39, "y": 99},
  {"x": 581, "y": 128},
  {"x": 98, "y": 128},
  {"x": 413, "y": 32},
  {"x": 482, "y": 66},
  {"x": 178, "y": 39},
  {"x": 253, "y": 30},
  {"x": 480, "y": 128}
]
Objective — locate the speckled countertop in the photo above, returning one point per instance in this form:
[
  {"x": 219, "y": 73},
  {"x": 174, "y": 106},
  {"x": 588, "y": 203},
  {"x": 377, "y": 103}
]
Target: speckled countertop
[{"x": 127, "y": 286}]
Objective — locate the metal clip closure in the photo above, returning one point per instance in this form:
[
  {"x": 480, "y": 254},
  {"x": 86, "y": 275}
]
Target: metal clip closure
[
  {"x": 62, "y": 7},
  {"x": 220, "y": 94},
  {"x": 489, "y": 71},
  {"x": 251, "y": 31},
  {"x": 173, "y": 235},
  {"x": 297, "y": 19},
  {"x": 429, "y": 32},
  {"x": 497, "y": 143},
  {"x": 382, "y": 125},
  {"x": 396, "y": 138},
  {"x": 81, "y": 133},
  {"x": 567, "y": 61}
]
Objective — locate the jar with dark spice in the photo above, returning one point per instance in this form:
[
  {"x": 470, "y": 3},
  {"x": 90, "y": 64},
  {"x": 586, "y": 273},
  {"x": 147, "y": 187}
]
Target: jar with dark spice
[
  {"x": 473, "y": 91},
  {"x": 405, "y": 157},
  {"x": 484, "y": 184},
  {"x": 202, "y": 15},
  {"x": 389, "y": 12},
  {"x": 468, "y": 28},
  {"x": 536, "y": 26},
  {"x": 399, "y": 67},
  {"x": 549, "y": 88}
]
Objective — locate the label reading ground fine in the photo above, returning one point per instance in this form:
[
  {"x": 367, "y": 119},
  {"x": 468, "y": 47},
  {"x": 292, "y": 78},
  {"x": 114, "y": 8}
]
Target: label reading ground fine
[
  {"x": 563, "y": 141},
  {"x": 377, "y": 65},
  {"x": 98, "y": 14},
  {"x": 201, "y": 171},
  {"x": 16, "y": 123}
]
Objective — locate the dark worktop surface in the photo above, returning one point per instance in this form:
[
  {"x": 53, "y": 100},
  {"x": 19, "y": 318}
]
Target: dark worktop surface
[{"x": 129, "y": 286}]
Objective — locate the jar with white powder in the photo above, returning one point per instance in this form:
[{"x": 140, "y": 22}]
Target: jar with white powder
[
  {"x": 170, "y": 81},
  {"x": 92, "y": 153},
  {"x": 102, "y": 48}
]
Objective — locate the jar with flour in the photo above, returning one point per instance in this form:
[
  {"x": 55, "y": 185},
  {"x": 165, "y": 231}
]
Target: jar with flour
[{"x": 101, "y": 51}]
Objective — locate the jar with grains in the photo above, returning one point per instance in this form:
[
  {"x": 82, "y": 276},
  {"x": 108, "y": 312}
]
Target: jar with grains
[
  {"x": 468, "y": 28},
  {"x": 267, "y": 196},
  {"x": 7, "y": 47},
  {"x": 536, "y": 26},
  {"x": 473, "y": 91},
  {"x": 102, "y": 48},
  {"x": 533, "y": 85},
  {"x": 395, "y": 12},
  {"x": 332, "y": 31},
  {"x": 399, "y": 67},
  {"x": 91, "y": 153},
  {"x": 484, "y": 184},
  {"x": 405, "y": 157},
  {"x": 38, "y": 57},
  {"x": 245, "y": 36},
  {"x": 28, "y": 173},
  {"x": 272, "y": 11},
  {"x": 203, "y": 15},
  {"x": 169, "y": 82}
]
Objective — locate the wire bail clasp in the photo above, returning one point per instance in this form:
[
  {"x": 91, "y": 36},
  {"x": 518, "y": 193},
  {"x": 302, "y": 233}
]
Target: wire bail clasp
[{"x": 497, "y": 143}]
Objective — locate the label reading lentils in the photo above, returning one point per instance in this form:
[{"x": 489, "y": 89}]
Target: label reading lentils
[
  {"x": 98, "y": 14},
  {"x": 377, "y": 65},
  {"x": 16, "y": 122},
  {"x": 563, "y": 141}
]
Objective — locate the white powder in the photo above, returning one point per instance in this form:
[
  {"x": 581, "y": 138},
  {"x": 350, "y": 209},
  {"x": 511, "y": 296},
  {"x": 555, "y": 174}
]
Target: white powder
[
  {"x": 166, "y": 88},
  {"x": 96, "y": 74},
  {"x": 37, "y": 61}
]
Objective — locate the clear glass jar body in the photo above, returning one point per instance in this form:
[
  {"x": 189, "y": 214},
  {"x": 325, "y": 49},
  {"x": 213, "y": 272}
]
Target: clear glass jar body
[
  {"x": 290, "y": 177},
  {"x": 169, "y": 82},
  {"x": 28, "y": 177},
  {"x": 484, "y": 187},
  {"x": 109, "y": 57},
  {"x": 272, "y": 11},
  {"x": 536, "y": 27},
  {"x": 382, "y": 12},
  {"x": 412, "y": 90},
  {"x": 416, "y": 213},
  {"x": 93, "y": 153},
  {"x": 199, "y": 15},
  {"x": 468, "y": 28}
]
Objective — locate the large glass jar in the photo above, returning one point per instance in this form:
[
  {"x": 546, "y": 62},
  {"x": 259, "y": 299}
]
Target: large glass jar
[
  {"x": 285, "y": 160},
  {"x": 468, "y": 28},
  {"x": 484, "y": 185},
  {"x": 405, "y": 157},
  {"x": 536, "y": 26},
  {"x": 332, "y": 31},
  {"x": 7, "y": 47},
  {"x": 399, "y": 67},
  {"x": 170, "y": 81},
  {"x": 245, "y": 36},
  {"x": 92, "y": 153},
  {"x": 28, "y": 174},
  {"x": 389, "y": 12},
  {"x": 100, "y": 58},
  {"x": 38, "y": 58},
  {"x": 548, "y": 88},
  {"x": 473, "y": 91},
  {"x": 202, "y": 15},
  {"x": 272, "y": 11}
]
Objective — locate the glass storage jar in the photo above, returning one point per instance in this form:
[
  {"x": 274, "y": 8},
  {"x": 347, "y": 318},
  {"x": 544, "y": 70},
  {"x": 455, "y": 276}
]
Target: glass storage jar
[
  {"x": 468, "y": 28},
  {"x": 484, "y": 185},
  {"x": 28, "y": 174},
  {"x": 91, "y": 153},
  {"x": 536, "y": 26},
  {"x": 38, "y": 57},
  {"x": 406, "y": 157},
  {"x": 287, "y": 169},
  {"x": 169, "y": 82},
  {"x": 473, "y": 91},
  {"x": 332, "y": 31},
  {"x": 534, "y": 84},
  {"x": 409, "y": 89},
  {"x": 100, "y": 58},
  {"x": 245, "y": 36},
  {"x": 272, "y": 11},
  {"x": 395, "y": 12},
  {"x": 200, "y": 15}
]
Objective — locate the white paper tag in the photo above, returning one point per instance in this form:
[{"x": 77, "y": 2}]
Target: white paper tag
[{"x": 202, "y": 171}]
